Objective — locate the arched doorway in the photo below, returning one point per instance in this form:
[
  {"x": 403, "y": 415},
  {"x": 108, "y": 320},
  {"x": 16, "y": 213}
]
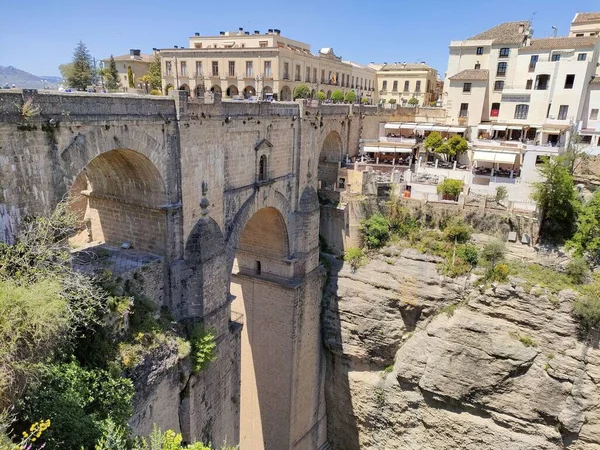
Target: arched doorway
[
  {"x": 313, "y": 94},
  {"x": 286, "y": 94},
  {"x": 259, "y": 276},
  {"x": 216, "y": 89},
  {"x": 267, "y": 92},
  {"x": 199, "y": 90},
  {"x": 249, "y": 91},
  {"x": 168, "y": 88},
  {"x": 232, "y": 90},
  {"x": 120, "y": 197},
  {"x": 184, "y": 87},
  {"x": 329, "y": 161},
  {"x": 328, "y": 95}
]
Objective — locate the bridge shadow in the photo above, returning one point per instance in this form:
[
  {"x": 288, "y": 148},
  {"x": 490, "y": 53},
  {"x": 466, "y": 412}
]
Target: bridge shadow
[{"x": 342, "y": 428}]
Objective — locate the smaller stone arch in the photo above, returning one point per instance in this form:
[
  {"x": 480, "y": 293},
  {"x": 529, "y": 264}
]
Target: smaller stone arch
[
  {"x": 263, "y": 168},
  {"x": 267, "y": 90},
  {"x": 285, "y": 94},
  {"x": 168, "y": 88},
  {"x": 199, "y": 91},
  {"x": 232, "y": 90},
  {"x": 329, "y": 95},
  {"x": 184, "y": 87},
  {"x": 330, "y": 158},
  {"x": 216, "y": 89}
]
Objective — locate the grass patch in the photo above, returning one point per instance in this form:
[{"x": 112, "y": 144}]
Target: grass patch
[{"x": 527, "y": 341}]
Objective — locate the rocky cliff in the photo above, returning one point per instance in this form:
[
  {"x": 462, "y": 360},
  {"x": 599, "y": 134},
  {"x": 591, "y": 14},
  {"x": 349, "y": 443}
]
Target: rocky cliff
[{"x": 503, "y": 369}]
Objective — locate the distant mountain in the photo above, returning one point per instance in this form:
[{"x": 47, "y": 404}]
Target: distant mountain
[{"x": 21, "y": 79}]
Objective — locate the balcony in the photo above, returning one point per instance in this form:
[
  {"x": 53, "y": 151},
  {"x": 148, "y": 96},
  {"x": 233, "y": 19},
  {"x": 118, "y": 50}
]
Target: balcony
[{"x": 559, "y": 120}]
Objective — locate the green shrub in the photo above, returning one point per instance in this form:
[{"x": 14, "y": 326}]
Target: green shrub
[
  {"x": 587, "y": 311},
  {"x": 376, "y": 231},
  {"x": 401, "y": 221},
  {"x": 450, "y": 188},
  {"x": 355, "y": 257},
  {"x": 337, "y": 96},
  {"x": 203, "y": 347},
  {"x": 578, "y": 270},
  {"x": 527, "y": 341},
  {"x": 77, "y": 401},
  {"x": 350, "y": 97},
  {"x": 500, "y": 273},
  {"x": 413, "y": 101},
  {"x": 460, "y": 267},
  {"x": 302, "y": 91},
  {"x": 364, "y": 100},
  {"x": 155, "y": 92},
  {"x": 457, "y": 231},
  {"x": 501, "y": 194},
  {"x": 392, "y": 101},
  {"x": 321, "y": 95},
  {"x": 493, "y": 252},
  {"x": 469, "y": 254}
]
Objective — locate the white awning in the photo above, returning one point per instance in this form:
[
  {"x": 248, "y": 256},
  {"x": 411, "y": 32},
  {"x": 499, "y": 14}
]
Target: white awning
[
  {"x": 515, "y": 127},
  {"x": 439, "y": 128},
  {"x": 379, "y": 149},
  {"x": 408, "y": 126},
  {"x": 549, "y": 131},
  {"x": 498, "y": 157},
  {"x": 484, "y": 127},
  {"x": 457, "y": 129},
  {"x": 424, "y": 127},
  {"x": 393, "y": 126},
  {"x": 499, "y": 127}
]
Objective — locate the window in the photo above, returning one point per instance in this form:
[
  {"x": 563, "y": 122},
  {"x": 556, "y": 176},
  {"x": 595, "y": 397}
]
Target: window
[
  {"x": 479, "y": 50},
  {"x": 352, "y": 83},
  {"x": 183, "y": 69},
  {"x": 594, "y": 114},
  {"x": 286, "y": 71},
  {"x": 521, "y": 111},
  {"x": 215, "y": 68},
  {"x": 579, "y": 35},
  {"x": 542, "y": 82},
  {"x": 262, "y": 168},
  {"x": 477, "y": 66},
  {"x": 587, "y": 139},
  {"x": 464, "y": 110},
  {"x": 501, "y": 69},
  {"x": 529, "y": 84},
  {"x": 406, "y": 86},
  {"x": 249, "y": 70},
  {"x": 563, "y": 110},
  {"x": 418, "y": 88},
  {"x": 581, "y": 56},
  {"x": 337, "y": 78},
  {"x": 232, "y": 68},
  {"x": 268, "y": 73},
  {"x": 314, "y": 75},
  {"x": 532, "y": 62},
  {"x": 384, "y": 86},
  {"x": 263, "y": 44},
  {"x": 322, "y": 76},
  {"x": 198, "y": 68},
  {"x": 569, "y": 81},
  {"x": 466, "y": 87},
  {"x": 555, "y": 57},
  {"x": 297, "y": 78},
  {"x": 495, "y": 111},
  {"x": 498, "y": 85},
  {"x": 395, "y": 88},
  {"x": 504, "y": 52},
  {"x": 257, "y": 267},
  {"x": 307, "y": 78},
  {"x": 168, "y": 68}
]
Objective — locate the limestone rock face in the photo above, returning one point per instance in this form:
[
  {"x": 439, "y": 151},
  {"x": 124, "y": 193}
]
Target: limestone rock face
[{"x": 504, "y": 370}]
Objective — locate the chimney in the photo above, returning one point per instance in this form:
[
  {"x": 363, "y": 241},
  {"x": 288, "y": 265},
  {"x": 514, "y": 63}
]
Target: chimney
[
  {"x": 175, "y": 46},
  {"x": 521, "y": 28},
  {"x": 131, "y": 52},
  {"x": 270, "y": 31},
  {"x": 221, "y": 33},
  {"x": 277, "y": 32},
  {"x": 240, "y": 31},
  {"x": 196, "y": 34},
  {"x": 256, "y": 32},
  {"x": 247, "y": 33}
]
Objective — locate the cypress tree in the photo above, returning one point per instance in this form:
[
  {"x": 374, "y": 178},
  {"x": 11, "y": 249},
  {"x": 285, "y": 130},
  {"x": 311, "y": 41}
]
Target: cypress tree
[
  {"x": 112, "y": 78},
  {"x": 130, "y": 77},
  {"x": 80, "y": 77}
]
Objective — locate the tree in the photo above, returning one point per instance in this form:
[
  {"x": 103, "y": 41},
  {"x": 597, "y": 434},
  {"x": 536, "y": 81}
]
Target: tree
[
  {"x": 154, "y": 75},
  {"x": 376, "y": 230},
  {"x": 364, "y": 100},
  {"x": 414, "y": 101},
  {"x": 392, "y": 101},
  {"x": 557, "y": 199},
  {"x": 130, "y": 77},
  {"x": 337, "y": 96},
  {"x": 501, "y": 194},
  {"x": 450, "y": 188},
  {"x": 66, "y": 71},
  {"x": 453, "y": 147},
  {"x": 111, "y": 75},
  {"x": 493, "y": 252},
  {"x": 350, "y": 97},
  {"x": 433, "y": 141},
  {"x": 81, "y": 72},
  {"x": 302, "y": 91},
  {"x": 321, "y": 95},
  {"x": 586, "y": 240}
]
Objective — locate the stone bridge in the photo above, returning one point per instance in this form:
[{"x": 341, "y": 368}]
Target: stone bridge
[{"x": 226, "y": 195}]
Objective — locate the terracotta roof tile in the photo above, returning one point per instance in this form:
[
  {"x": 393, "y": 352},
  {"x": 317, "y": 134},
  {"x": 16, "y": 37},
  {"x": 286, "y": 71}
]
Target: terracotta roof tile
[
  {"x": 128, "y": 57},
  {"x": 586, "y": 17},
  {"x": 595, "y": 80},
  {"x": 555, "y": 43},
  {"x": 471, "y": 74},
  {"x": 505, "y": 33}
]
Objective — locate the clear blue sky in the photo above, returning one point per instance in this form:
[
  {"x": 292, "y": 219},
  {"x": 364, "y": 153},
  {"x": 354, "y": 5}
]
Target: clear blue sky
[{"x": 37, "y": 36}]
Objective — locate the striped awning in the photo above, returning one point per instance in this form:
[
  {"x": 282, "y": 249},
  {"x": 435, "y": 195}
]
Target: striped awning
[{"x": 496, "y": 157}]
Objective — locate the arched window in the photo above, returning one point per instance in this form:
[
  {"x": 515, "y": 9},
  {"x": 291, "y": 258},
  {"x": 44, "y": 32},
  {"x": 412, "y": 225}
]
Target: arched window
[{"x": 262, "y": 168}]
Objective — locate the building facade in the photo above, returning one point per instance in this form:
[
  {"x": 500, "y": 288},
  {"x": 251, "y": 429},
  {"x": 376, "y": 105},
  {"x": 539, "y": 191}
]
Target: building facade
[
  {"x": 138, "y": 62},
  {"x": 400, "y": 82},
  {"x": 260, "y": 65}
]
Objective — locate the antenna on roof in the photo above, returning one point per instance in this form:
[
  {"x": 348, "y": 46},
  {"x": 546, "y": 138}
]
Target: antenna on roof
[{"x": 531, "y": 20}]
